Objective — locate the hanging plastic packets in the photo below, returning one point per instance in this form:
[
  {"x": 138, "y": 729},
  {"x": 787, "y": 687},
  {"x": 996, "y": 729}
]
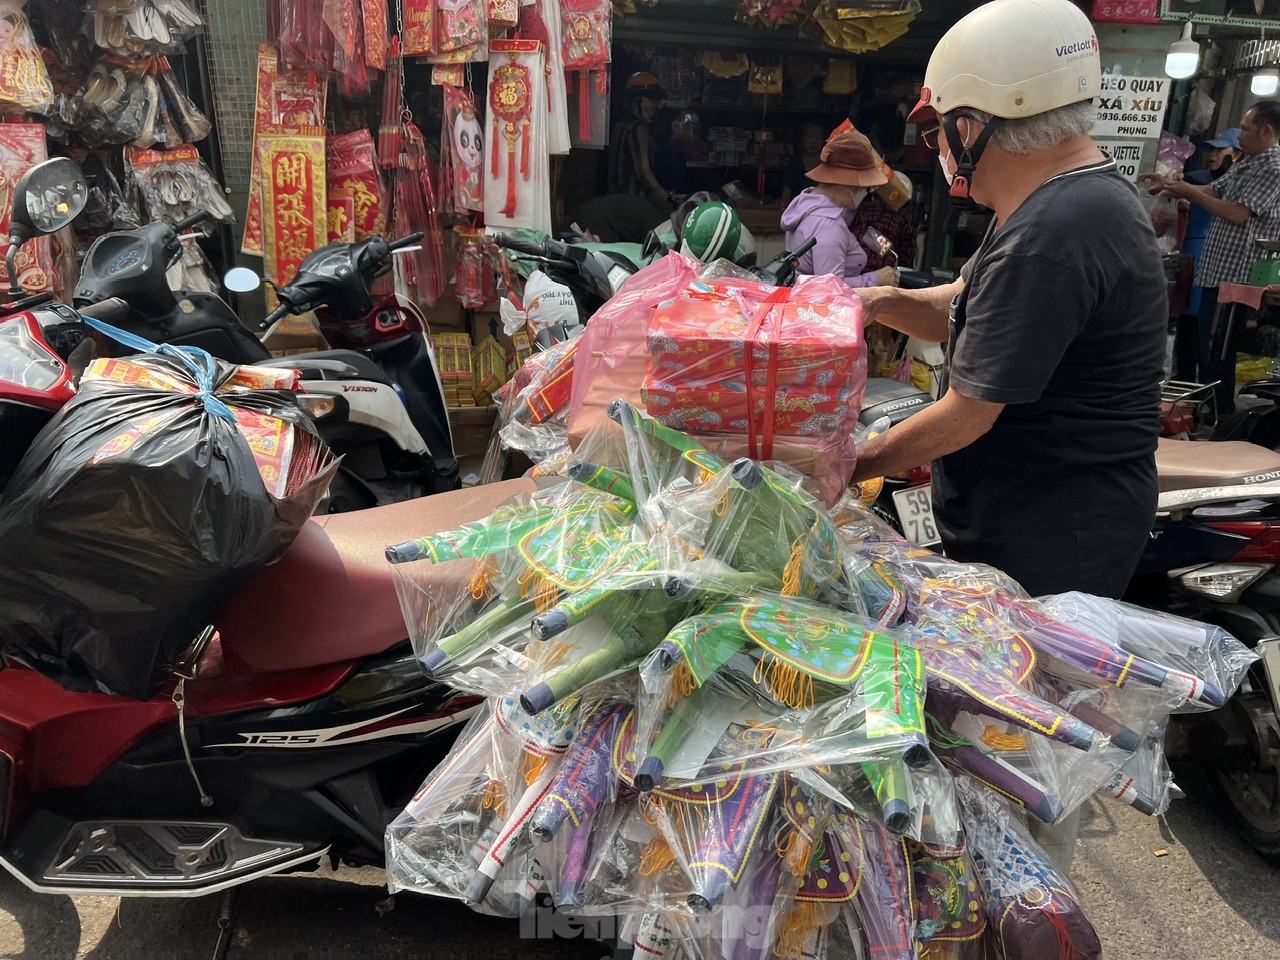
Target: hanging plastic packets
[
  {"x": 462, "y": 153},
  {"x": 517, "y": 167},
  {"x": 175, "y": 184},
  {"x": 586, "y": 31},
  {"x": 293, "y": 197},
  {"x": 145, "y": 26},
  {"x": 420, "y": 275},
  {"x": 24, "y": 80},
  {"x": 22, "y": 146},
  {"x": 285, "y": 102},
  {"x": 540, "y": 21},
  {"x": 353, "y": 166},
  {"x": 473, "y": 284},
  {"x": 418, "y": 37},
  {"x": 461, "y": 35}
]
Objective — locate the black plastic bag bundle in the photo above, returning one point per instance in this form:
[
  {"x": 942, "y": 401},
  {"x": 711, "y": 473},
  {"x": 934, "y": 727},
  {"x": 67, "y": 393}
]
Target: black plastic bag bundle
[{"x": 138, "y": 513}]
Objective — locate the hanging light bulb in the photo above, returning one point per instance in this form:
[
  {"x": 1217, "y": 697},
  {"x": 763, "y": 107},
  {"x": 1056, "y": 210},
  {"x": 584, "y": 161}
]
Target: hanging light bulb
[
  {"x": 1183, "y": 57},
  {"x": 1265, "y": 82}
]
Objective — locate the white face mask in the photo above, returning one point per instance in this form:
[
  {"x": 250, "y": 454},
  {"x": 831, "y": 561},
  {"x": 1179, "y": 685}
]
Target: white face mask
[
  {"x": 946, "y": 171},
  {"x": 856, "y": 196}
]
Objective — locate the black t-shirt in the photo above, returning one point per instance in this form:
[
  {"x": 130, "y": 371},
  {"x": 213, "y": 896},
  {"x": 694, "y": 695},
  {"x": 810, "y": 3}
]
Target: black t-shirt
[{"x": 1063, "y": 319}]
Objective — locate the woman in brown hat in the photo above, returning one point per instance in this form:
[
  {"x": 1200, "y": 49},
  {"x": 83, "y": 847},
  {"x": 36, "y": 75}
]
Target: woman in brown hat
[{"x": 850, "y": 165}]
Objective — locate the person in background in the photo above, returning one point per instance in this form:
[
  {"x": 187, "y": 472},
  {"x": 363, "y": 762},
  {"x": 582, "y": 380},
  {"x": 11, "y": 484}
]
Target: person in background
[
  {"x": 847, "y": 168},
  {"x": 1244, "y": 204},
  {"x": 674, "y": 156},
  {"x": 633, "y": 151},
  {"x": 887, "y": 209},
  {"x": 809, "y": 156}
]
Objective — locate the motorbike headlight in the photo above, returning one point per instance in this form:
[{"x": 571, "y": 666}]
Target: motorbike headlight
[{"x": 1222, "y": 581}]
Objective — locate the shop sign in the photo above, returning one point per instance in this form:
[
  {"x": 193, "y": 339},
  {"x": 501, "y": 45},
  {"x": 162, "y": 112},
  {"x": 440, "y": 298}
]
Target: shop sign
[
  {"x": 1132, "y": 106},
  {"x": 1126, "y": 153}
]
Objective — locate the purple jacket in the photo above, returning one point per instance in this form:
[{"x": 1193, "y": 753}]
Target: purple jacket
[{"x": 838, "y": 251}]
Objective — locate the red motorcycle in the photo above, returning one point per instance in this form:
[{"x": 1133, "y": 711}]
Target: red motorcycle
[{"x": 292, "y": 734}]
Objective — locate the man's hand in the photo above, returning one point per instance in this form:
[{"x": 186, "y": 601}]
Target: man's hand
[
  {"x": 1180, "y": 190},
  {"x": 949, "y": 425}
]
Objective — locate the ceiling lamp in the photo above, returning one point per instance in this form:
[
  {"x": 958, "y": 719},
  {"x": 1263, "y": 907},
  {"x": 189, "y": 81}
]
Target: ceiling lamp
[
  {"x": 1265, "y": 82},
  {"x": 1183, "y": 57}
]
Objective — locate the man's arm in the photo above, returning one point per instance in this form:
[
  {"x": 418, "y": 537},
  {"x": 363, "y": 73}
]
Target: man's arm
[
  {"x": 949, "y": 425},
  {"x": 1228, "y": 210},
  {"x": 922, "y": 314}
]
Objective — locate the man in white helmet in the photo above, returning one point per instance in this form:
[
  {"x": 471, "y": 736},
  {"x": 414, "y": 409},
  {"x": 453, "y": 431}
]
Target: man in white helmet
[{"x": 1044, "y": 438}]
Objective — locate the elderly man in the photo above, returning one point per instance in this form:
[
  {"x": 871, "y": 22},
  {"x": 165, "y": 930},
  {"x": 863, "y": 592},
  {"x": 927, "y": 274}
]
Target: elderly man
[
  {"x": 1043, "y": 441},
  {"x": 1245, "y": 204}
]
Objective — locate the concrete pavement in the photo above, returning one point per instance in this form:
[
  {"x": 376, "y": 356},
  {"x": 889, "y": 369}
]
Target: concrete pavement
[{"x": 1208, "y": 898}]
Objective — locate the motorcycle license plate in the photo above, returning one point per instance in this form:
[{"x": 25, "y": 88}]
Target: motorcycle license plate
[{"x": 915, "y": 513}]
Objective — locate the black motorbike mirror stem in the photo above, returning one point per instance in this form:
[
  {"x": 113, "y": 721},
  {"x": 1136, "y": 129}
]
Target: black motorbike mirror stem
[{"x": 17, "y": 237}]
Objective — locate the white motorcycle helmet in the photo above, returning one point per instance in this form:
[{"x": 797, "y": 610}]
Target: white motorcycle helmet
[{"x": 1011, "y": 59}]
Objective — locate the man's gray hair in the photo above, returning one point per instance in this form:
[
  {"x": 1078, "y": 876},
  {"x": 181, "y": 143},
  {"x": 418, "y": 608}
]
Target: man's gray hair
[{"x": 1041, "y": 130}]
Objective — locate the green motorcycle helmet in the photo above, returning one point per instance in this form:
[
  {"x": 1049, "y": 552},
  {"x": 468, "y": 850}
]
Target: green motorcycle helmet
[{"x": 711, "y": 231}]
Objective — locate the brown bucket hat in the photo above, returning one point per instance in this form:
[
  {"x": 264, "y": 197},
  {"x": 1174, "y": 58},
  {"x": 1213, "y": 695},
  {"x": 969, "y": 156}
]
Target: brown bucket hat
[{"x": 849, "y": 158}]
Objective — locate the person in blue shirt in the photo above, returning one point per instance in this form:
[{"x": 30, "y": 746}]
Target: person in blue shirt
[{"x": 1224, "y": 151}]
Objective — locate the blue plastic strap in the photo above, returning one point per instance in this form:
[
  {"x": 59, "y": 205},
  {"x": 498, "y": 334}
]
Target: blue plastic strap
[{"x": 203, "y": 367}]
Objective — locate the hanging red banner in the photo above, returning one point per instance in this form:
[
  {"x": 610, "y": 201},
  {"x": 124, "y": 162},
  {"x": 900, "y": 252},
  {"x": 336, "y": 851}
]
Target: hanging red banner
[
  {"x": 353, "y": 166},
  {"x": 375, "y": 33},
  {"x": 418, "y": 37},
  {"x": 293, "y": 195}
]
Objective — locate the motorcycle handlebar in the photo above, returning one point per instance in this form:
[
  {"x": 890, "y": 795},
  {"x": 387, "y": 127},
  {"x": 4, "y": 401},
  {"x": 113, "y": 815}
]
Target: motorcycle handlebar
[
  {"x": 408, "y": 241},
  {"x": 519, "y": 245},
  {"x": 188, "y": 222},
  {"x": 274, "y": 317},
  {"x": 114, "y": 311},
  {"x": 800, "y": 251}
]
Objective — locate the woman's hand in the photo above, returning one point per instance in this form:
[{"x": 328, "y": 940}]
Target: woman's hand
[{"x": 887, "y": 277}]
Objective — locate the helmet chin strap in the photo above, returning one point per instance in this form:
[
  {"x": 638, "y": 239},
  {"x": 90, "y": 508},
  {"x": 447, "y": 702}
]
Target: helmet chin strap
[{"x": 967, "y": 158}]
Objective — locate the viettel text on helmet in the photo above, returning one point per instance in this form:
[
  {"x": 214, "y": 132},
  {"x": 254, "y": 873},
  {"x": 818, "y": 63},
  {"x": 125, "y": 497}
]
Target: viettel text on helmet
[{"x": 1079, "y": 47}]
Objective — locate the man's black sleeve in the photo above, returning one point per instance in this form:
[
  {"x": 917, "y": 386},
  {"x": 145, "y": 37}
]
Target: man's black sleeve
[{"x": 1022, "y": 312}]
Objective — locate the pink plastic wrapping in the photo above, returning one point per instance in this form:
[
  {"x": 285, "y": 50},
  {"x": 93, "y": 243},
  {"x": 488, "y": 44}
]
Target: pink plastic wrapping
[{"x": 613, "y": 362}]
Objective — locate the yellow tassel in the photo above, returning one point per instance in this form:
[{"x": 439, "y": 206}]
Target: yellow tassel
[
  {"x": 997, "y": 740},
  {"x": 787, "y": 684},
  {"x": 652, "y": 810},
  {"x": 495, "y": 798},
  {"x": 682, "y": 684},
  {"x": 795, "y": 851},
  {"x": 546, "y": 596},
  {"x": 798, "y": 926},
  {"x": 722, "y": 505},
  {"x": 481, "y": 582},
  {"x": 657, "y": 857},
  {"x": 705, "y": 475},
  {"x": 555, "y": 654},
  {"x": 792, "y": 573},
  {"x": 531, "y": 767}
]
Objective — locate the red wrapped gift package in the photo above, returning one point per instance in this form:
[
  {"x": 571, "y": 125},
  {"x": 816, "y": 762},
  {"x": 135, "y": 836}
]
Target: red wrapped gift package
[{"x": 745, "y": 358}]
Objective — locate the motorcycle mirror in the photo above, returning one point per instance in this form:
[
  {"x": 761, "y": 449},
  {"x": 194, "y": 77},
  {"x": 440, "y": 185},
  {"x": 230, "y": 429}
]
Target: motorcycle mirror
[
  {"x": 47, "y": 198},
  {"x": 241, "y": 280}
]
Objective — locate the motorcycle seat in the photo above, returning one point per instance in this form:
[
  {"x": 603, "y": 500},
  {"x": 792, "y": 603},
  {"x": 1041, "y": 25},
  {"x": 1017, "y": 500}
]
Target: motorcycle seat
[
  {"x": 333, "y": 365},
  {"x": 331, "y": 598},
  {"x": 1195, "y": 464}
]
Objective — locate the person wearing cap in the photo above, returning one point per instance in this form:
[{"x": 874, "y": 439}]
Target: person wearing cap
[
  {"x": 1245, "y": 204},
  {"x": 848, "y": 167},
  {"x": 633, "y": 151},
  {"x": 1222, "y": 152}
]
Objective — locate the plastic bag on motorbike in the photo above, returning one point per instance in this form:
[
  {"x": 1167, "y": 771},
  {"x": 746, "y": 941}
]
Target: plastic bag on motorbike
[
  {"x": 143, "y": 506},
  {"x": 462, "y": 834},
  {"x": 1203, "y": 660}
]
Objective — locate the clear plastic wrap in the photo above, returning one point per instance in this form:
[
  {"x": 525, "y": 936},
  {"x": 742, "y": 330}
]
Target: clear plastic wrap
[
  {"x": 794, "y": 735},
  {"x": 1202, "y": 659},
  {"x": 1033, "y": 909},
  {"x": 176, "y": 184},
  {"x": 24, "y": 79}
]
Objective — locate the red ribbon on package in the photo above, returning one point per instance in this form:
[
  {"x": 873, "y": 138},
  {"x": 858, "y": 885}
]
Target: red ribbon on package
[{"x": 764, "y": 424}]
